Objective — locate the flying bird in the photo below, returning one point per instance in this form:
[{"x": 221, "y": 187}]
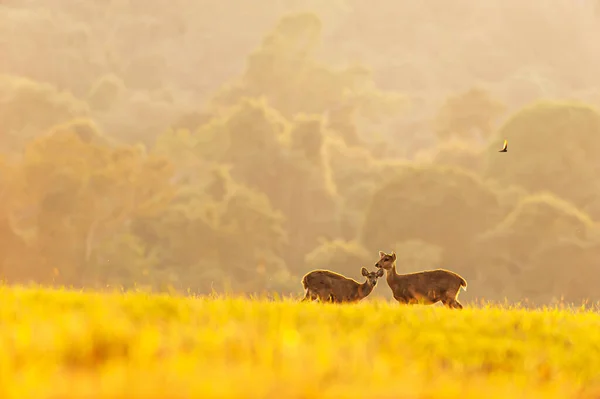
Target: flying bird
[{"x": 505, "y": 148}]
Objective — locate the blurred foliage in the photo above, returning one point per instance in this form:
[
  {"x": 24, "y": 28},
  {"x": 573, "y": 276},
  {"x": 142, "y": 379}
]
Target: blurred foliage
[
  {"x": 105, "y": 92},
  {"x": 340, "y": 255},
  {"x": 275, "y": 149},
  {"x": 539, "y": 221},
  {"x": 444, "y": 206},
  {"x": 20, "y": 98},
  {"x": 459, "y": 153},
  {"x": 556, "y": 143},
  {"x": 415, "y": 255},
  {"x": 467, "y": 115}
]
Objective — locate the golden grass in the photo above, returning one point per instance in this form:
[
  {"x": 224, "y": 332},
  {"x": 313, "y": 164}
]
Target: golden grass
[{"x": 64, "y": 344}]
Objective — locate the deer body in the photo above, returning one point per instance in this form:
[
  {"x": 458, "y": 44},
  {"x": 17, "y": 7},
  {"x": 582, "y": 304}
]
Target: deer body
[
  {"x": 329, "y": 286},
  {"x": 426, "y": 287}
]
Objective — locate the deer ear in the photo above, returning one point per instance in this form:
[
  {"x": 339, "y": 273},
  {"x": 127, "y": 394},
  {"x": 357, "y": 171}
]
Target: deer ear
[
  {"x": 381, "y": 254},
  {"x": 393, "y": 255},
  {"x": 364, "y": 271},
  {"x": 379, "y": 272}
]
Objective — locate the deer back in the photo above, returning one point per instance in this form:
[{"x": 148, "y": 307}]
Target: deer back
[
  {"x": 426, "y": 283},
  {"x": 337, "y": 283}
]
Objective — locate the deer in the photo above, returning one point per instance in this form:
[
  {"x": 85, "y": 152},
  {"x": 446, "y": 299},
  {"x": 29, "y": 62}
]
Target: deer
[
  {"x": 426, "y": 287},
  {"x": 328, "y": 286}
]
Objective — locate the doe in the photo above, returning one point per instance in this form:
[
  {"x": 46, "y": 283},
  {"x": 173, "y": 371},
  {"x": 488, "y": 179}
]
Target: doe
[
  {"x": 426, "y": 287},
  {"x": 328, "y": 286}
]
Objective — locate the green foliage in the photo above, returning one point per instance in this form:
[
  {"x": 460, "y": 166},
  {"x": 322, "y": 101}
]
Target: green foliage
[
  {"x": 356, "y": 174},
  {"x": 27, "y": 107},
  {"x": 307, "y": 137},
  {"x": 283, "y": 63},
  {"x": 225, "y": 224},
  {"x": 345, "y": 257},
  {"x": 186, "y": 150},
  {"x": 145, "y": 71},
  {"x": 566, "y": 269},
  {"x": 192, "y": 120},
  {"x": 254, "y": 129},
  {"x": 163, "y": 166},
  {"x": 279, "y": 158},
  {"x": 285, "y": 71},
  {"x": 553, "y": 147},
  {"x": 537, "y": 223},
  {"x": 105, "y": 92},
  {"x": 118, "y": 258},
  {"x": 458, "y": 153},
  {"x": 443, "y": 206},
  {"x": 341, "y": 120},
  {"x": 415, "y": 255},
  {"x": 70, "y": 194},
  {"x": 85, "y": 129},
  {"x": 540, "y": 219},
  {"x": 470, "y": 114}
]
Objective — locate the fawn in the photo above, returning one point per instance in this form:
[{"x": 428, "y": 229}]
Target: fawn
[
  {"x": 426, "y": 287},
  {"x": 328, "y": 286}
]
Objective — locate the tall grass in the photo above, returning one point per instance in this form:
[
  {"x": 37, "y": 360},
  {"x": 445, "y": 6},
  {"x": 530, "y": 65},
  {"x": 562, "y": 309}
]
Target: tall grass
[{"x": 68, "y": 344}]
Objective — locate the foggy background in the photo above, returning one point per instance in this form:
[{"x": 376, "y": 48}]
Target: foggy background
[{"x": 219, "y": 145}]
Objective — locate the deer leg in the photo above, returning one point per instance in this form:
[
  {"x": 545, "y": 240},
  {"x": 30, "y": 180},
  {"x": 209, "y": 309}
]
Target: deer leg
[
  {"x": 453, "y": 295},
  {"x": 306, "y": 296},
  {"x": 452, "y": 303},
  {"x": 323, "y": 296},
  {"x": 312, "y": 295},
  {"x": 402, "y": 299}
]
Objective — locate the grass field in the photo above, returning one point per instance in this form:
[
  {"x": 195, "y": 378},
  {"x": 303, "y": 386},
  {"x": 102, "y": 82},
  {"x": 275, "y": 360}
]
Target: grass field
[{"x": 60, "y": 344}]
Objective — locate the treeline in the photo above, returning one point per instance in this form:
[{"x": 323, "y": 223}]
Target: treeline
[{"x": 294, "y": 165}]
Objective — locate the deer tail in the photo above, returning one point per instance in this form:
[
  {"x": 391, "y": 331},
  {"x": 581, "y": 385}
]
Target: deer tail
[
  {"x": 304, "y": 283},
  {"x": 463, "y": 284}
]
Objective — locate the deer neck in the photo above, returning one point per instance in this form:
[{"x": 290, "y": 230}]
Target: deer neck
[
  {"x": 391, "y": 275},
  {"x": 364, "y": 289}
]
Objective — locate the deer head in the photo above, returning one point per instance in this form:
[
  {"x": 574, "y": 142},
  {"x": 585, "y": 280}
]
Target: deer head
[
  {"x": 386, "y": 261},
  {"x": 372, "y": 276}
]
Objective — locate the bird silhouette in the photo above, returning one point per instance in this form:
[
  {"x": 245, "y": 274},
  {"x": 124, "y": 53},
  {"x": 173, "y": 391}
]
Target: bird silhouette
[{"x": 505, "y": 148}]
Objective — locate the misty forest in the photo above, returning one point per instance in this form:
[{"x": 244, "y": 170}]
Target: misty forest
[{"x": 211, "y": 146}]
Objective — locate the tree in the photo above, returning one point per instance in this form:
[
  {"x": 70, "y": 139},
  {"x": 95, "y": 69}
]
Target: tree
[
  {"x": 281, "y": 159},
  {"x": 342, "y": 120},
  {"x": 415, "y": 255},
  {"x": 553, "y": 147},
  {"x": 105, "y": 92},
  {"x": 505, "y": 253},
  {"x": 463, "y": 154},
  {"x": 345, "y": 257},
  {"x": 71, "y": 193},
  {"x": 228, "y": 232},
  {"x": 285, "y": 65},
  {"x": 28, "y": 107},
  {"x": 567, "y": 269},
  {"x": 307, "y": 137},
  {"x": 15, "y": 257},
  {"x": 283, "y": 62},
  {"x": 468, "y": 115},
  {"x": 356, "y": 175},
  {"x": 443, "y": 206}
]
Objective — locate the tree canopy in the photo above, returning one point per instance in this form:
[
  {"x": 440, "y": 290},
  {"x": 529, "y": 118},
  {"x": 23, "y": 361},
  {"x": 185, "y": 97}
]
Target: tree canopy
[
  {"x": 236, "y": 148},
  {"x": 553, "y": 147}
]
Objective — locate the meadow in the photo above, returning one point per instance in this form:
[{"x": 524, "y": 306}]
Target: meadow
[{"x": 66, "y": 344}]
